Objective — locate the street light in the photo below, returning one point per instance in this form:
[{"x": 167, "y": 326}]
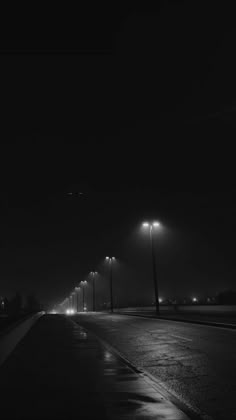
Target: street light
[
  {"x": 83, "y": 284},
  {"x": 77, "y": 289},
  {"x": 68, "y": 303},
  {"x": 111, "y": 259},
  {"x": 151, "y": 226},
  {"x": 93, "y": 273},
  {"x": 73, "y": 294}
]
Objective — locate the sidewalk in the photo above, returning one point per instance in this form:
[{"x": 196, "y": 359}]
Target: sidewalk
[{"x": 59, "y": 371}]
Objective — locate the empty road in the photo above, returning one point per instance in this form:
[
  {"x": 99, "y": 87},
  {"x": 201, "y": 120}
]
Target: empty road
[{"x": 194, "y": 363}]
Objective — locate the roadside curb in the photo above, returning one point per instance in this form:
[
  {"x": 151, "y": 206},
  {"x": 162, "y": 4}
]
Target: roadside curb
[
  {"x": 14, "y": 335},
  {"x": 13, "y": 325}
]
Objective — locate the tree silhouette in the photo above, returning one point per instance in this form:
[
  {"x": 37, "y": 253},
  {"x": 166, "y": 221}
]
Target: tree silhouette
[{"x": 32, "y": 304}]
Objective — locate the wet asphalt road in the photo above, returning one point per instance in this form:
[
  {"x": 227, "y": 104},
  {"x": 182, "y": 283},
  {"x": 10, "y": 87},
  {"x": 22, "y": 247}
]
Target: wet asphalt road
[
  {"x": 196, "y": 363},
  {"x": 59, "y": 371}
]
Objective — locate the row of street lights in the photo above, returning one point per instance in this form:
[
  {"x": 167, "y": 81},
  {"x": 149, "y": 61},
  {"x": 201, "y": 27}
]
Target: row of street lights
[
  {"x": 69, "y": 301},
  {"x": 69, "y": 304}
]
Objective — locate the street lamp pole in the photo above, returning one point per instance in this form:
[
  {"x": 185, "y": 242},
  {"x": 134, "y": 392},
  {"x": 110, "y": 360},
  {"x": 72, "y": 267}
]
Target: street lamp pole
[
  {"x": 77, "y": 289},
  {"x": 73, "y": 300},
  {"x": 94, "y": 292},
  {"x": 110, "y": 259},
  {"x": 83, "y": 283},
  {"x": 93, "y": 277},
  {"x": 111, "y": 288},
  {"x": 154, "y": 272}
]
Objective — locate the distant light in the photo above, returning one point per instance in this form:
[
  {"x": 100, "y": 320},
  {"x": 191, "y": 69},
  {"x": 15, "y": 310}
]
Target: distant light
[
  {"x": 74, "y": 193},
  {"x": 113, "y": 258},
  {"x": 160, "y": 300},
  {"x": 108, "y": 356},
  {"x": 107, "y": 258},
  {"x": 146, "y": 224},
  {"x": 194, "y": 299},
  {"x": 156, "y": 224},
  {"x": 70, "y": 311}
]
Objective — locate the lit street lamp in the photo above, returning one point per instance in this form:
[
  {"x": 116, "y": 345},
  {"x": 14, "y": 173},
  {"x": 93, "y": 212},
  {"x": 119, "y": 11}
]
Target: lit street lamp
[
  {"x": 83, "y": 284},
  {"x": 151, "y": 226},
  {"x": 93, "y": 273},
  {"x": 2, "y": 304},
  {"x": 77, "y": 289},
  {"x": 111, "y": 259},
  {"x": 73, "y": 294}
]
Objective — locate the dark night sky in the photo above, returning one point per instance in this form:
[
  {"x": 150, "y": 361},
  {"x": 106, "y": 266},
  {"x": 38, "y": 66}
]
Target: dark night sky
[{"x": 137, "y": 110}]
